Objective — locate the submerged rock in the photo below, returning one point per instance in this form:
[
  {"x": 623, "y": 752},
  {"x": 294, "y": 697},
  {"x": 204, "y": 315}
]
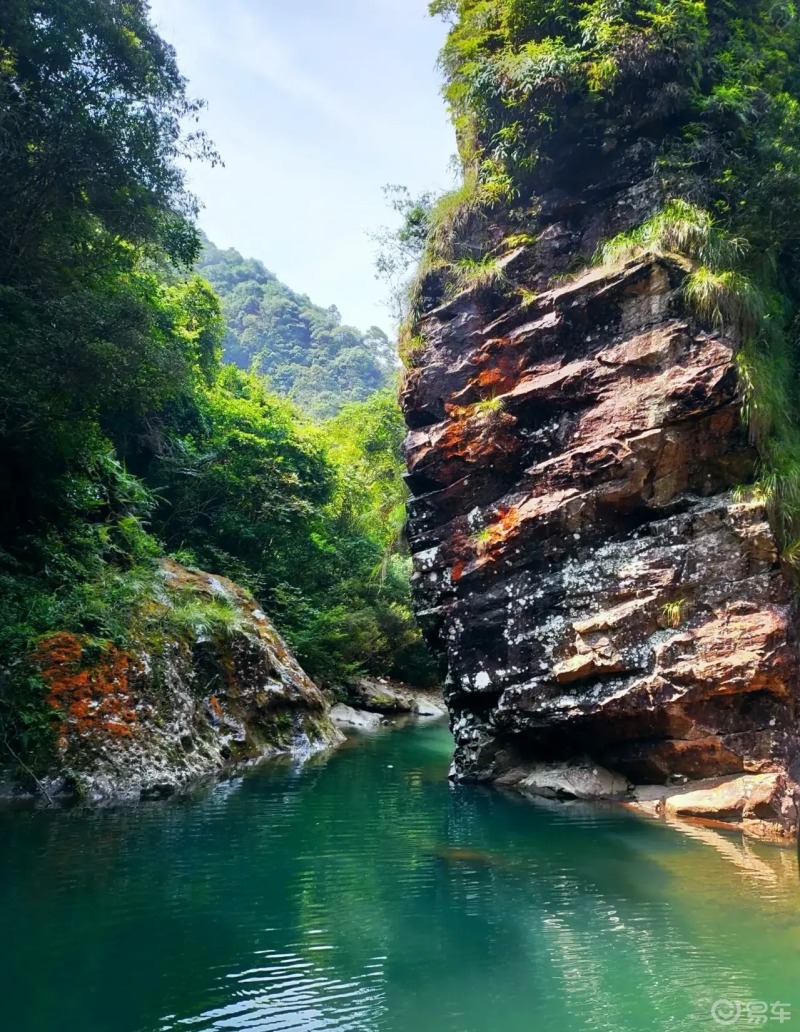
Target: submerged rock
[
  {"x": 599, "y": 587},
  {"x": 566, "y": 781},
  {"x": 181, "y": 702},
  {"x": 762, "y": 805}
]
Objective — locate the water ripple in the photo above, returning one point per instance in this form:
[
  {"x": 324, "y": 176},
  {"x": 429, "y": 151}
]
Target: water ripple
[{"x": 364, "y": 893}]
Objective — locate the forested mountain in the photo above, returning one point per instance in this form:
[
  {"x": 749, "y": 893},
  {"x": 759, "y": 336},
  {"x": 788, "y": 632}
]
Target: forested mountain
[
  {"x": 304, "y": 350},
  {"x": 124, "y": 438}
]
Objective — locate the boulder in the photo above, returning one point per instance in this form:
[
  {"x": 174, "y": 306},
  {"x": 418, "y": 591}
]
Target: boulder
[
  {"x": 184, "y": 700},
  {"x": 357, "y": 720}
]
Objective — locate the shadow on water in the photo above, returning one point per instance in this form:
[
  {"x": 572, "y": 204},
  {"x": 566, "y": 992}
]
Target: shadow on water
[{"x": 363, "y": 891}]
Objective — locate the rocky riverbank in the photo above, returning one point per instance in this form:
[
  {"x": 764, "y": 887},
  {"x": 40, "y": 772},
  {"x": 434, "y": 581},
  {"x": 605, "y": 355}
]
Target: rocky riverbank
[
  {"x": 187, "y": 700},
  {"x": 366, "y": 704}
]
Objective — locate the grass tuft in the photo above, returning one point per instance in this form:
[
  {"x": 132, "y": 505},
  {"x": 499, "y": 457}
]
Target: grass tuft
[
  {"x": 679, "y": 228},
  {"x": 450, "y": 218},
  {"x": 410, "y": 347},
  {"x": 488, "y": 407},
  {"x": 673, "y": 612},
  {"x": 729, "y": 300},
  {"x": 188, "y": 614},
  {"x": 474, "y": 274}
]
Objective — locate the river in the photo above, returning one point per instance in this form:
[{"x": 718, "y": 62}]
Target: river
[{"x": 364, "y": 892}]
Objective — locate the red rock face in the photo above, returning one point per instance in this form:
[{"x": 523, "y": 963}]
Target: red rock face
[{"x": 602, "y": 596}]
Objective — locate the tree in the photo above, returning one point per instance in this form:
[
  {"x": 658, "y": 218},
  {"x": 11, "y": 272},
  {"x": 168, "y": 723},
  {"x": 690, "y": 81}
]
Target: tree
[
  {"x": 123, "y": 436},
  {"x": 400, "y": 249},
  {"x": 303, "y": 350},
  {"x": 92, "y": 204}
]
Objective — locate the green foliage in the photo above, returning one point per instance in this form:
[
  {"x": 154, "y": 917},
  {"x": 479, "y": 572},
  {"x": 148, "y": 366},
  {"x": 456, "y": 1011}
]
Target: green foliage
[
  {"x": 482, "y": 537},
  {"x": 766, "y": 402},
  {"x": 673, "y": 612},
  {"x": 400, "y": 249},
  {"x": 439, "y": 237},
  {"x": 678, "y": 228},
  {"x": 239, "y": 478},
  {"x": 304, "y": 350},
  {"x": 527, "y": 297},
  {"x": 93, "y": 212},
  {"x": 355, "y": 612},
  {"x": 449, "y": 219},
  {"x": 88, "y": 573},
  {"x": 309, "y": 517},
  {"x": 410, "y": 347},
  {"x": 472, "y": 274},
  {"x": 517, "y": 69},
  {"x": 791, "y": 554},
  {"x": 729, "y": 300},
  {"x": 122, "y": 436},
  {"x": 189, "y": 616},
  {"x": 515, "y": 240},
  {"x": 488, "y": 406}
]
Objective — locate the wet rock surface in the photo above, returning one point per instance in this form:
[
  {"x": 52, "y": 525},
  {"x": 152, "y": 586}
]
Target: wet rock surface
[
  {"x": 145, "y": 722},
  {"x": 582, "y": 553},
  {"x": 392, "y": 698},
  {"x": 349, "y": 718}
]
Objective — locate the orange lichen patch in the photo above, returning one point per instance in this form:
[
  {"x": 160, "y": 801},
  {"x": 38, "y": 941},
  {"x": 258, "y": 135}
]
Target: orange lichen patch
[
  {"x": 459, "y": 412},
  {"x": 118, "y": 730},
  {"x": 483, "y": 548},
  {"x": 472, "y": 436},
  {"x": 492, "y": 377},
  {"x": 90, "y": 689},
  {"x": 457, "y": 441},
  {"x": 58, "y": 651},
  {"x": 498, "y": 532}
]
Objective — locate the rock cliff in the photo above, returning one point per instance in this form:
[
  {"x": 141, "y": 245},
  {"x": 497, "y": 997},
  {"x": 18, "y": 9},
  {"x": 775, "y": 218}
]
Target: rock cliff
[
  {"x": 190, "y": 698},
  {"x": 611, "y": 603}
]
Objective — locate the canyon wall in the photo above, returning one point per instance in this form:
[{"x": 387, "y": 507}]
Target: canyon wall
[{"x": 611, "y": 602}]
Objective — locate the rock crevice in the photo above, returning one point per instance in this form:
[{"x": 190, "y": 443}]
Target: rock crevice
[{"x": 583, "y": 550}]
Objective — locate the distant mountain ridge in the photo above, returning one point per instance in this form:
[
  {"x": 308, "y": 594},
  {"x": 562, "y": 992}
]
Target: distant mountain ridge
[{"x": 303, "y": 349}]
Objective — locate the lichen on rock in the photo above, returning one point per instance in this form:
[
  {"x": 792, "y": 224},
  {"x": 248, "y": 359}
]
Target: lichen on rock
[
  {"x": 600, "y": 586},
  {"x": 184, "y": 700}
]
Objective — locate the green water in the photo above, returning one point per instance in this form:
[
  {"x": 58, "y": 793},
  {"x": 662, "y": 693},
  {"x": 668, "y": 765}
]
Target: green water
[{"x": 363, "y": 892}]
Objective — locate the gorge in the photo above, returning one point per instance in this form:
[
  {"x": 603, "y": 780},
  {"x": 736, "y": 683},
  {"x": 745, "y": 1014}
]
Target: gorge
[{"x": 249, "y": 552}]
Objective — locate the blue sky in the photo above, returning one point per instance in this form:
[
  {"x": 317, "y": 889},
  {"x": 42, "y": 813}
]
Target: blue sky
[{"x": 314, "y": 106}]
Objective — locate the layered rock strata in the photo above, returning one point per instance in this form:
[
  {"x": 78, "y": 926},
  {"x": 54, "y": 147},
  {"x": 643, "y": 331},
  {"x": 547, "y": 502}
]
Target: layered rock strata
[{"x": 609, "y": 600}]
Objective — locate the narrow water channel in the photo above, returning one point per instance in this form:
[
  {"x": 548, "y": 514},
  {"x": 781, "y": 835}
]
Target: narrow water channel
[{"x": 363, "y": 892}]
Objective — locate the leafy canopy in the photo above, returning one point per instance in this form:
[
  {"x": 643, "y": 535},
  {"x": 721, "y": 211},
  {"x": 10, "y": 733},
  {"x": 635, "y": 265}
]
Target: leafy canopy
[
  {"x": 123, "y": 436},
  {"x": 304, "y": 350}
]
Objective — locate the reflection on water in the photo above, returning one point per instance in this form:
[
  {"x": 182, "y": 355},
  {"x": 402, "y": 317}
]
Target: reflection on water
[{"x": 363, "y": 892}]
